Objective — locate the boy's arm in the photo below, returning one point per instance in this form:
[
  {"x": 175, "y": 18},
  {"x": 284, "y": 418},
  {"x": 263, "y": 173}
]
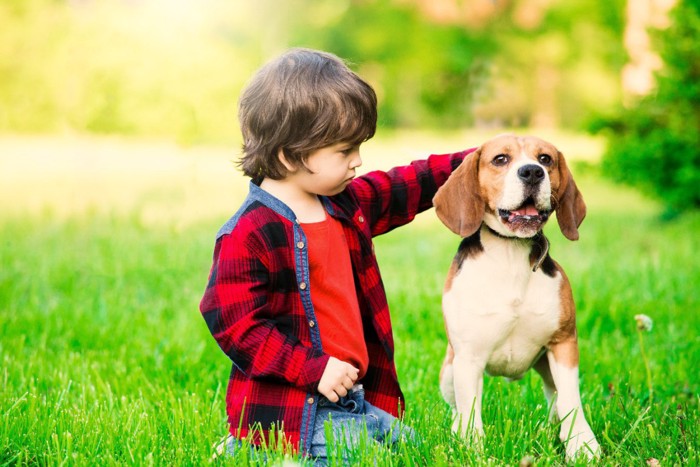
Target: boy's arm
[
  {"x": 236, "y": 309},
  {"x": 391, "y": 199}
]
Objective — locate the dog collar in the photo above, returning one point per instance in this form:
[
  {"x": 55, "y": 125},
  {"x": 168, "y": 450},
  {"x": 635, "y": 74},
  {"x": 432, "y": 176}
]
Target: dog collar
[
  {"x": 542, "y": 243},
  {"x": 539, "y": 241}
]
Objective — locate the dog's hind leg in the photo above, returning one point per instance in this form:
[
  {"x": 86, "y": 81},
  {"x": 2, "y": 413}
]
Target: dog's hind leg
[
  {"x": 541, "y": 366},
  {"x": 447, "y": 385}
]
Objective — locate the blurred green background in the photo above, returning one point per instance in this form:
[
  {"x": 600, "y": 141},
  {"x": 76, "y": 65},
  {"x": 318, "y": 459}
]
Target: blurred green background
[{"x": 174, "y": 68}]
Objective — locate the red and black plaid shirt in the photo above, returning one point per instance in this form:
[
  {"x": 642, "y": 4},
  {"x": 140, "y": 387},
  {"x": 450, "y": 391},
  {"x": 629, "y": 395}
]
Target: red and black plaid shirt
[{"x": 258, "y": 305}]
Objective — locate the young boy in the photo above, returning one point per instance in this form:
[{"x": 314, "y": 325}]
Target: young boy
[{"x": 295, "y": 297}]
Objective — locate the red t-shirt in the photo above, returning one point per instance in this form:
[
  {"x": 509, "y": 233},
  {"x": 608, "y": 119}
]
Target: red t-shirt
[{"x": 333, "y": 296}]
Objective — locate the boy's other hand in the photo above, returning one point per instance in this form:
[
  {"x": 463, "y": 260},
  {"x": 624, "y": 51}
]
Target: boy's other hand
[{"x": 337, "y": 378}]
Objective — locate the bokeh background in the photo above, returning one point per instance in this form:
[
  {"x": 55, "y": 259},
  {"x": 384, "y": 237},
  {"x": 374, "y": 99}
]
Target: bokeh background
[
  {"x": 174, "y": 68},
  {"x": 622, "y": 71}
]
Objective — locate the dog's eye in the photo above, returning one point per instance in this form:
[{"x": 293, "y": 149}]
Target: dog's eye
[
  {"x": 500, "y": 160},
  {"x": 545, "y": 159}
]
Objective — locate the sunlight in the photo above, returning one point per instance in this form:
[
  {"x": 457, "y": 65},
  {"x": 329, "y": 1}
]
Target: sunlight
[
  {"x": 167, "y": 22},
  {"x": 177, "y": 16}
]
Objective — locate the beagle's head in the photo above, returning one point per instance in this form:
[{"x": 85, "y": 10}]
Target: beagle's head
[{"x": 512, "y": 184}]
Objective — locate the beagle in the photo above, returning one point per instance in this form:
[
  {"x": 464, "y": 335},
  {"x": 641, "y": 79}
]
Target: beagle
[{"x": 507, "y": 304}]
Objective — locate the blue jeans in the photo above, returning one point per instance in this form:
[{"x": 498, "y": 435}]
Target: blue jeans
[{"x": 349, "y": 418}]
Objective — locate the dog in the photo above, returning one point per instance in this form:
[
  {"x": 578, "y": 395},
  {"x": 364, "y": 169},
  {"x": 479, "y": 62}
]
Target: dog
[{"x": 507, "y": 304}]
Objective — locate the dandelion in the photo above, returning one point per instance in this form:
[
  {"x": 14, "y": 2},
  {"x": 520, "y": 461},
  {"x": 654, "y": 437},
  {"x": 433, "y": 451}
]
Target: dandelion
[{"x": 644, "y": 324}]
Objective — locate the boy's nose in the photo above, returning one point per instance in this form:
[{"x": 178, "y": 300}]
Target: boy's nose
[{"x": 356, "y": 161}]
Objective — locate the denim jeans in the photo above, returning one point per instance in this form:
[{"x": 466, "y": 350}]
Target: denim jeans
[{"x": 349, "y": 419}]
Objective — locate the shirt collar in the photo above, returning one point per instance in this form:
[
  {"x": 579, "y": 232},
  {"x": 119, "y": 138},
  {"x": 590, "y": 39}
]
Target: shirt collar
[{"x": 258, "y": 194}]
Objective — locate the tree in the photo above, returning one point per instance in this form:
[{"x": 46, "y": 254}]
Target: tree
[{"x": 654, "y": 144}]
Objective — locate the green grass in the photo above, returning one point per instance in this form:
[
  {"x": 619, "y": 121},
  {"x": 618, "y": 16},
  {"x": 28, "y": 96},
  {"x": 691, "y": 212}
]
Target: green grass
[{"x": 105, "y": 359}]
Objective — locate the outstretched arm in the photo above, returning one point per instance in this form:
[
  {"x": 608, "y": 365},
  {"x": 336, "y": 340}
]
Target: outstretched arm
[{"x": 393, "y": 198}]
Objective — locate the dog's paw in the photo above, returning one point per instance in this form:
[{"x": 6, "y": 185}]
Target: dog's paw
[
  {"x": 580, "y": 441},
  {"x": 467, "y": 429}
]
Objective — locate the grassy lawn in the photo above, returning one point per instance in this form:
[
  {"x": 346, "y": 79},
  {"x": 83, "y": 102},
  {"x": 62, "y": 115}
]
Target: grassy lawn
[{"x": 105, "y": 359}]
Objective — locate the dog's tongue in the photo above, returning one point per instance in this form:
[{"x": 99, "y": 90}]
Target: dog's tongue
[{"x": 526, "y": 211}]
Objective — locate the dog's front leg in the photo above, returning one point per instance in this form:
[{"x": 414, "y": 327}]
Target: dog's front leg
[
  {"x": 468, "y": 385},
  {"x": 575, "y": 431}
]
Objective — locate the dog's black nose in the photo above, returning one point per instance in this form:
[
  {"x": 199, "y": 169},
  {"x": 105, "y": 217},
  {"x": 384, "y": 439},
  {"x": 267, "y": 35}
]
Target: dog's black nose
[{"x": 531, "y": 174}]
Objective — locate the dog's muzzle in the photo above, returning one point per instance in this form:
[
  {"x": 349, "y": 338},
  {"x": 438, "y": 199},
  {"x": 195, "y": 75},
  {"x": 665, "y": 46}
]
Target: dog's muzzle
[{"x": 526, "y": 212}]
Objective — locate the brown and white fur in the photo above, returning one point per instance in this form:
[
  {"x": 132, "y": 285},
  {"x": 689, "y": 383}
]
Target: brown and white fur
[{"x": 507, "y": 305}]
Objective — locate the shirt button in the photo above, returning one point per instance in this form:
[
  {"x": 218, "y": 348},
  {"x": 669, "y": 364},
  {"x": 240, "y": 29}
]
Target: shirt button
[
  {"x": 361, "y": 219},
  {"x": 302, "y": 286},
  {"x": 310, "y": 400},
  {"x": 311, "y": 324},
  {"x": 300, "y": 245}
]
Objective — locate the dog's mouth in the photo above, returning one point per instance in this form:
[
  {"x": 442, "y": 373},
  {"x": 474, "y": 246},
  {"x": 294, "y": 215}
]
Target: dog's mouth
[{"x": 527, "y": 216}]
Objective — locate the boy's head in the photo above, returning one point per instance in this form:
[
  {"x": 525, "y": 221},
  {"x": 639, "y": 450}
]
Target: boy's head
[{"x": 300, "y": 102}]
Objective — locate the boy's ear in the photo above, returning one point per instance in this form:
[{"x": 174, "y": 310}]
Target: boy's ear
[{"x": 283, "y": 160}]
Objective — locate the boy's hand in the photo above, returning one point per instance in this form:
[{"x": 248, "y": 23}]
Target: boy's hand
[{"x": 337, "y": 378}]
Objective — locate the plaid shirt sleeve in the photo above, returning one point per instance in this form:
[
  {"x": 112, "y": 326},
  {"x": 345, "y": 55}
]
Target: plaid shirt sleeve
[
  {"x": 237, "y": 310},
  {"x": 393, "y": 198}
]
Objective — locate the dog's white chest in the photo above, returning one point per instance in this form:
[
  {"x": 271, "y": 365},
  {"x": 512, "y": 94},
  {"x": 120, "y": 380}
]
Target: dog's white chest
[{"x": 500, "y": 312}]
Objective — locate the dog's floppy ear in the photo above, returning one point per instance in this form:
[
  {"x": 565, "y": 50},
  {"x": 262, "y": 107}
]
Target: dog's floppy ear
[
  {"x": 569, "y": 204},
  {"x": 458, "y": 203}
]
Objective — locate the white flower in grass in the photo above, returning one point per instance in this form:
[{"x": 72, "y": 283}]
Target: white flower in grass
[{"x": 644, "y": 323}]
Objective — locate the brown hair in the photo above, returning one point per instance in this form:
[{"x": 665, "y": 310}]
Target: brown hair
[{"x": 300, "y": 102}]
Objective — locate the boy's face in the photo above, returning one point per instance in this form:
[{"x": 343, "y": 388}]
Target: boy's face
[{"x": 330, "y": 169}]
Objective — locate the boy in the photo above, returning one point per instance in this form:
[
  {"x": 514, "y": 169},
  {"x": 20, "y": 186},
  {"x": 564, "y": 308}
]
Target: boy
[{"x": 295, "y": 298}]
